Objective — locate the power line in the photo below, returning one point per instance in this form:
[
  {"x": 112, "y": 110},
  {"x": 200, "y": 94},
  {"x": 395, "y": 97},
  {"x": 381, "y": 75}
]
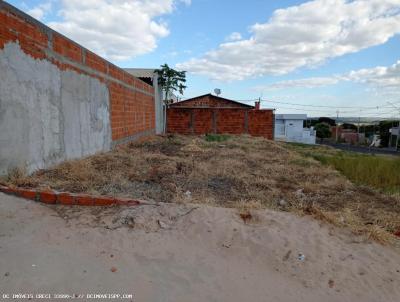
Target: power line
[
  {"x": 313, "y": 110},
  {"x": 319, "y": 106}
]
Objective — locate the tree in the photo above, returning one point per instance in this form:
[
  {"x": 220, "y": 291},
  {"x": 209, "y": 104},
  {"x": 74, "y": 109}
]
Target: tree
[
  {"x": 349, "y": 126},
  {"x": 323, "y": 130},
  {"x": 327, "y": 120},
  {"x": 170, "y": 80}
]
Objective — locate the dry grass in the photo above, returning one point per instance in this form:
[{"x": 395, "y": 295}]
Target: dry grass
[{"x": 242, "y": 172}]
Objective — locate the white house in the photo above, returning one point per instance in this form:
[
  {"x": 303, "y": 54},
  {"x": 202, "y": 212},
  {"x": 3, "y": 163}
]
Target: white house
[{"x": 289, "y": 128}]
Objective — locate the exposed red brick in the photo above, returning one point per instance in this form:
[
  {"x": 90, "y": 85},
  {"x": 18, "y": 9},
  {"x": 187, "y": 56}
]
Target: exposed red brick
[
  {"x": 66, "y": 199},
  {"x": 130, "y": 79},
  {"x": 67, "y": 48},
  {"x": 28, "y": 194},
  {"x": 179, "y": 121},
  {"x": 31, "y": 47},
  {"x": 96, "y": 62},
  {"x": 131, "y": 112},
  {"x": 116, "y": 72},
  {"x": 210, "y": 114},
  {"x": 104, "y": 201},
  {"x": 208, "y": 100},
  {"x": 48, "y": 197},
  {"x": 84, "y": 200},
  {"x": 231, "y": 121}
]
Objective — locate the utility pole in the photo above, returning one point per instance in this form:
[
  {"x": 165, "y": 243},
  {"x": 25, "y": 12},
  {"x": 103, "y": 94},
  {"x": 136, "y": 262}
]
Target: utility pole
[
  {"x": 337, "y": 125},
  {"x": 358, "y": 128}
]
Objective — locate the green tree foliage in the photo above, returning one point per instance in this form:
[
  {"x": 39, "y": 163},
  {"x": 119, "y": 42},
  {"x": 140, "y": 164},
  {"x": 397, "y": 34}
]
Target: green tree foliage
[
  {"x": 349, "y": 126},
  {"x": 326, "y": 120},
  {"x": 323, "y": 130},
  {"x": 171, "y": 80}
]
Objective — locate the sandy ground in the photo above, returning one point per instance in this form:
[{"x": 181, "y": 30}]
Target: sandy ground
[{"x": 187, "y": 253}]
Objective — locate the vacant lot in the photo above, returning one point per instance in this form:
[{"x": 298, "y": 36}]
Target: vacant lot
[
  {"x": 381, "y": 172},
  {"x": 242, "y": 172}
]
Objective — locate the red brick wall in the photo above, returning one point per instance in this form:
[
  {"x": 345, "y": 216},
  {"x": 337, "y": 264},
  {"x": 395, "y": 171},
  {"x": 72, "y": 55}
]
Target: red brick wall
[
  {"x": 261, "y": 123},
  {"x": 232, "y": 121},
  {"x": 209, "y": 101},
  {"x": 179, "y": 121},
  {"x": 220, "y": 120},
  {"x": 132, "y": 111},
  {"x": 202, "y": 121}
]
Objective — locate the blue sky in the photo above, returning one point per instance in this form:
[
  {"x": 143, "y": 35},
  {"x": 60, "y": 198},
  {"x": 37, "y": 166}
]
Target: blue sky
[{"x": 331, "y": 54}]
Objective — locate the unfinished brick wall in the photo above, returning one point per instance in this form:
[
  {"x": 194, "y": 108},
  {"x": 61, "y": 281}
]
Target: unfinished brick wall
[
  {"x": 232, "y": 121},
  {"x": 213, "y": 114},
  {"x": 60, "y": 101},
  {"x": 209, "y": 101},
  {"x": 131, "y": 100},
  {"x": 261, "y": 123},
  {"x": 179, "y": 121}
]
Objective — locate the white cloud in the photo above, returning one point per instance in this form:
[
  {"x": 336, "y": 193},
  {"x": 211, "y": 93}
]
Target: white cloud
[
  {"x": 303, "y": 83},
  {"x": 235, "y": 36},
  {"x": 381, "y": 77},
  {"x": 301, "y": 36},
  {"x": 387, "y": 77},
  {"x": 41, "y": 10},
  {"x": 115, "y": 29}
]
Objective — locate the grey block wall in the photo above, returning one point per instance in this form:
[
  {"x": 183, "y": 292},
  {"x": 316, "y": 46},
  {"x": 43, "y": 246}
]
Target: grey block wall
[{"x": 48, "y": 115}]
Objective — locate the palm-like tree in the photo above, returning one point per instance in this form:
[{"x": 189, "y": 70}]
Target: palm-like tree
[{"x": 170, "y": 80}]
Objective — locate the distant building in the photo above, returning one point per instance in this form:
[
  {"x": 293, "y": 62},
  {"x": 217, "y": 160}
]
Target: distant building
[
  {"x": 349, "y": 136},
  {"x": 289, "y": 128}
]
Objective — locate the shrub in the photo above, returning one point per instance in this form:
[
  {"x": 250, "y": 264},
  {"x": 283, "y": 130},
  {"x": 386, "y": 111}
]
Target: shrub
[{"x": 217, "y": 137}]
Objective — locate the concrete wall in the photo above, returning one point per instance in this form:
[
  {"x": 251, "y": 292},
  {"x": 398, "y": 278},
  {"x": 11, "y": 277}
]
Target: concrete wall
[
  {"x": 159, "y": 106},
  {"x": 48, "y": 115},
  {"x": 60, "y": 101}
]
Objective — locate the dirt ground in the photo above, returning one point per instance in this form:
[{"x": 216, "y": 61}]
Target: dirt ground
[
  {"x": 185, "y": 253},
  {"x": 242, "y": 172}
]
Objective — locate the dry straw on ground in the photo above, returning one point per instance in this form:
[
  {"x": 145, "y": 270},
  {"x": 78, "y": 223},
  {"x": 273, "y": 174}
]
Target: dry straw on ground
[{"x": 243, "y": 172}]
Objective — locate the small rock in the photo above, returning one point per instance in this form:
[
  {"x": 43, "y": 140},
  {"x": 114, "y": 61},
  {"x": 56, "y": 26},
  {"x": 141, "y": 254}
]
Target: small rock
[
  {"x": 113, "y": 269},
  {"x": 162, "y": 225},
  {"x": 301, "y": 257},
  {"x": 331, "y": 283},
  {"x": 299, "y": 193},
  {"x": 362, "y": 272},
  {"x": 287, "y": 256},
  {"x": 7, "y": 274},
  {"x": 282, "y": 203}
]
